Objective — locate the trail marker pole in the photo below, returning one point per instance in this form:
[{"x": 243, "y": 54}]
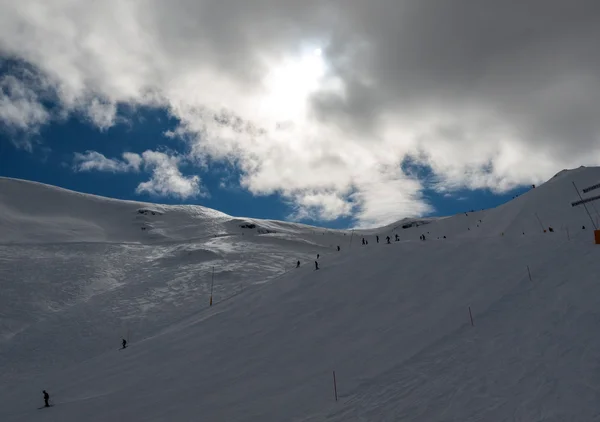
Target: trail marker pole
[
  {"x": 335, "y": 387},
  {"x": 529, "y": 272},
  {"x": 538, "y": 218},
  {"x": 471, "y": 316},
  {"x": 212, "y": 283}
]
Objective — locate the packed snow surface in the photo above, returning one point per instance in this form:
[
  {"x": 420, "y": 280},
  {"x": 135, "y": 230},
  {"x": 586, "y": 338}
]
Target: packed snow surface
[{"x": 78, "y": 273}]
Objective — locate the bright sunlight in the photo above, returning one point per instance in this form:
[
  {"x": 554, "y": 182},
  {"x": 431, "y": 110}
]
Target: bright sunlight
[{"x": 289, "y": 85}]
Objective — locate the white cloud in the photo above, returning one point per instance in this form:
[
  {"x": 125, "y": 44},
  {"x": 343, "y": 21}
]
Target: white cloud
[
  {"x": 92, "y": 160},
  {"x": 20, "y": 105},
  {"x": 102, "y": 114},
  {"x": 320, "y": 206},
  {"x": 392, "y": 194},
  {"x": 327, "y": 131},
  {"x": 167, "y": 179}
]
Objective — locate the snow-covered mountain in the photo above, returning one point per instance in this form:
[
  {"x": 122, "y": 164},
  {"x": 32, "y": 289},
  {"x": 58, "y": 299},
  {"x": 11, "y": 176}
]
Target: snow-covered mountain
[{"x": 79, "y": 272}]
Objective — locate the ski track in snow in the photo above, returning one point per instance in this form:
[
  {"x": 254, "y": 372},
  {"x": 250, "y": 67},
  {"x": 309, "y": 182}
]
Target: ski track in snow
[{"x": 77, "y": 273}]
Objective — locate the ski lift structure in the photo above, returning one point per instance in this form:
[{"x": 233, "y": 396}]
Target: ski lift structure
[{"x": 584, "y": 202}]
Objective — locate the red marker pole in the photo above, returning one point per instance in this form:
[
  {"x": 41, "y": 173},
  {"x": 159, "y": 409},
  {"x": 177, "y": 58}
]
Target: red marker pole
[
  {"x": 471, "y": 316},
  {"x": 335, "y": 387}
]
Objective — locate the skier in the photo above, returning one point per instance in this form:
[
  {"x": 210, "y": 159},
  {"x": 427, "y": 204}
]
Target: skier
[
  {"x": 316, "y": 265},
  {"x": 318, "y": 256},
  {"x": 338, "y": 248},
  {"x": 297, "y": 264},
  {"x": 397, "y": 237},
  {"x": 124, "y": 342},
  {"x": 46, "y": 398},
  {"x": 388, "y": 240},
  {"x": 377, "y": 239},
  {"x": 363, "y": 240}
]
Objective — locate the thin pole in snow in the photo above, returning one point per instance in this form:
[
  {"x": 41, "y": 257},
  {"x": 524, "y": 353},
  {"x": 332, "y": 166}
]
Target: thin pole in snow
[
  {"x": 529, "y": 272},
  {"x": 538, "y": 218},
  {"x": 212, "y": 283},
  {"x": 586, "y": 210},
  {"x": 335, "y": 387},
  {"x": 471, "y": 316}
]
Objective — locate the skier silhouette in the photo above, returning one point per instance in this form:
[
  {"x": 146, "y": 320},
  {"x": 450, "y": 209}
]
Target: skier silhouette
[
  {"x": 46, "y": 398},
  {"x": 338, "y": 248},
  {"x": 297, "y": 264},
  {"x": 318, "y": 256},
  {"x": 124, "y": 342},
  {"x": 316, "y": 265},
  {"x": 363, "y": 240},
  {"x": 388, "y": 239},
  {"x": 377, "y": 239}
]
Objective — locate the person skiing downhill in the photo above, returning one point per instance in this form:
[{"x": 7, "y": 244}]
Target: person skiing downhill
[
  {"x": 297, "y": 264},
  {"x": 316, "y": 265},
  {"x": 124, "y": 342},
  {"x": 46, "y": 398}
]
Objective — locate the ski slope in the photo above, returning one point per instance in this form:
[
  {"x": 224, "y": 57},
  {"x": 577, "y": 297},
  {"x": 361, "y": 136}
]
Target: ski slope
[{"x": 392, "y": 320}]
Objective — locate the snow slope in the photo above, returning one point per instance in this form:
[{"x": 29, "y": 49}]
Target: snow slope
[{"x": 391, "y": 320}]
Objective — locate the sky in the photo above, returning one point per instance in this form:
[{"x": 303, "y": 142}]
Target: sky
[{"x": 333, "y": 113}]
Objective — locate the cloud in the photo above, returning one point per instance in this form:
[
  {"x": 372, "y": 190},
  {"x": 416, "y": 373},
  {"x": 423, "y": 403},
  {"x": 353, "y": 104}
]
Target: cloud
[
  {"x": 92, "y": 160},
  {"x": 317, "y": 206},
  {"x": 166, "y": 178},
  {"x": 102, "y": 114},
  {"x": 322, "y": 102},
  {"x": 21, "y": 110}
]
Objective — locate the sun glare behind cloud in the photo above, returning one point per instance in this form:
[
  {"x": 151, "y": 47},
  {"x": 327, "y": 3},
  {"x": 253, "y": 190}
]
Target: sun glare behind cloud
[{"x": 289, "y": 84}]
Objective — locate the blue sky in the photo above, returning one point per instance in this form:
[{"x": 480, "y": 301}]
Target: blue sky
[{"x": 51, "y": 161}]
